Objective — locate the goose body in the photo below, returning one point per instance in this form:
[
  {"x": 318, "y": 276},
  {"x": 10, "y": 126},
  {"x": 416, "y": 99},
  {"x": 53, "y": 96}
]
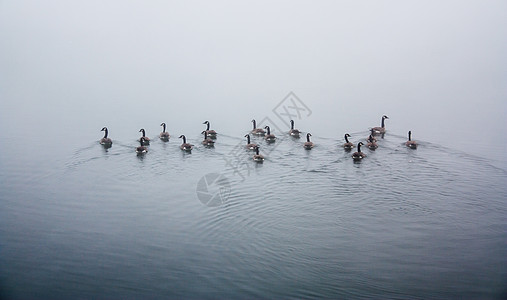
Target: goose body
[
  {"x": 164, "y": 135},
  {"x": 141, "y": 149},
  {"x": 348, "y": 145},
  {"x": 358, "y": 155},
  {"x": 185, "y": 146},
  {"x": 382, "y": 128},
  {"x": 372, "y": 145},
  {"x": 308, "y": 145},
  {"x": 105, "y": 141},
  {"x": 257, "y": 131},
  {"x": 210, "y": 132},
  {"x": 293, "y": 132},
  {"x": 146, "y": 139},
  {"x": 411, "y": 144},
  {"x": 249, "y": 146},
  {"x": 207, "y": 141},
  {"x": 270, "y": 138},
  {"x": 257, "y": 157}
]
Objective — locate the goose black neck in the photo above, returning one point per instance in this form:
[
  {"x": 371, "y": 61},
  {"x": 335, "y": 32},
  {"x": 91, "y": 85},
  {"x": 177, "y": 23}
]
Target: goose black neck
[
  {"x": 207, "y": 125},
  {"x": 382, "y": 124},
  {"x": 205, "y": 135},
  {"x": 144, "y": 133},
  {"x": 184, "y": 139},
  {"x": 163, "y": 127},
  {"x": 248, "y": 139},
  {"x": 254, "y": 124},
  {"x": 358, "y": 147},
  {"x": 308, "y": 137},
  {"x": 141, "y": 141},
  {"x": 257, "y": 150},
  {"x": 105, "y": 133},
  {"x": 291, "y": 124},
  {"x": 268, "y": 129},
  {"x": 346, "y": 139},
  {"x": 410, "y": 135}
]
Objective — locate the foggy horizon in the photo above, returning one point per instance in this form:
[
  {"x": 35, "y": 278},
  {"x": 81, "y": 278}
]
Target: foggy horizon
[{"x": 437, "y": 69}]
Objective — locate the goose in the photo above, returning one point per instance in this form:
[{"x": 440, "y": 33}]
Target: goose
[
  {"x": 358, "y": 155},
  {"x": 211, "y": 133},
  {"x": 105, "y": 141},
  {"x": 382, "y": 128},
  {"x": 258, "y": 157},
  {"x": 141, "y": 149},
  {"x": 270, "y": 138},
  {"x": 257, "y": 131},
  {"x": 207, "y": 141},
  {"x": 164, "y": 135},
  {"x": 372, "y": 135},
  {"x": 372, "y": 145},
  {"x": 411, "y": 144},
  {"x": 146, "y": 139},
  {"x": 348, "y": 145},
  {"x": 308, "y": 145},
  {"x": 249, "y": 146},
  {"x": 185, "y": 146},
  {"x": 293, "y": 132}
]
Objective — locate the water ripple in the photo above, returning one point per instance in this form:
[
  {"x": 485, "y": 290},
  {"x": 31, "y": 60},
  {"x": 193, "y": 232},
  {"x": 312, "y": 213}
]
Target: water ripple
[{"x": 303, "y": 224}]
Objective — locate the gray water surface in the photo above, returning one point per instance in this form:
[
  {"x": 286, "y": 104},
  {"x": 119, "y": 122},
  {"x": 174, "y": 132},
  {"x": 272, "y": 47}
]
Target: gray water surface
[{"x": 402, "y": 223}]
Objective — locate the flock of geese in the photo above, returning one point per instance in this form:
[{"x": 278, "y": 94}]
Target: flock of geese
[{"x": 210, "y": 135}]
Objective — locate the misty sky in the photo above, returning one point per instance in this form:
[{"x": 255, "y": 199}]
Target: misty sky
[{"x": 437, "y": 68}]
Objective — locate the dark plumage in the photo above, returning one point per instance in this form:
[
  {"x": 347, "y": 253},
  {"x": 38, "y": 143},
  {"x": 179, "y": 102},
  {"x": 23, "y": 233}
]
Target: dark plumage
[
  {"x": 105, "y": 141},
  {"x": 146, "y": 139},
  {"x": 164, "y": 135},
  {"x": 348, "y": 145},
  {"x": 258, "y": 157},
  {"x": 185, "y": 146},
  {"x": 270, "y": 138},
  {"x": 207, "y": 141},
  {"x": 141, "y": 149},
  {"x": 249, "y": 146},
  {"x": 371, "y": 143},
  {"x": 411, "y": 144},
  {"x": 358, "y": 155},
  {"x": 382, "y": 128},
  {"x": 293, "y": 132},
  {"x": 308, "y": 145},
  {"x": 257, "y": 131},
  {"x": 210, "y": 132},
  {"x": 372, "y": 135}
]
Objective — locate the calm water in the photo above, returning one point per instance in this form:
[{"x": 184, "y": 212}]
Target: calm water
[
  {"x": 80, "y": 222},
  {"x": 91, "y": 223}
]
